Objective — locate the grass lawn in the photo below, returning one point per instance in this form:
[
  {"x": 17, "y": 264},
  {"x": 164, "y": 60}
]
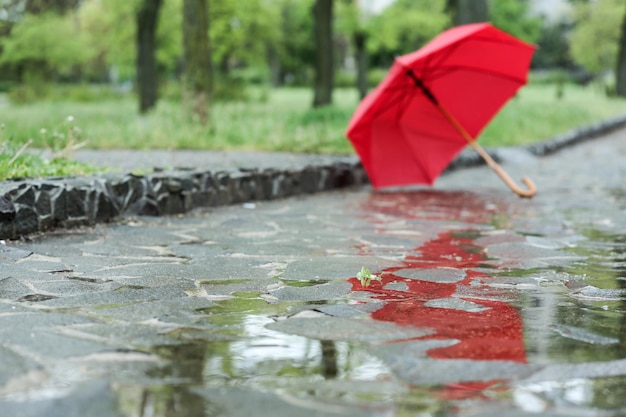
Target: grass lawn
[
  {"x": 273, "y": 120},
  {"x": 536, "y": 114}
]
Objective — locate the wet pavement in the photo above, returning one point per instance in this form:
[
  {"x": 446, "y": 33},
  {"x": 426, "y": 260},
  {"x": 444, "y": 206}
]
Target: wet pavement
[{"x": 485, "y": 304}]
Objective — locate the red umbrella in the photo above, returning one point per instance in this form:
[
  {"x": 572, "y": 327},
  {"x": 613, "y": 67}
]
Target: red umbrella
[{"x": 435, "y": 101}]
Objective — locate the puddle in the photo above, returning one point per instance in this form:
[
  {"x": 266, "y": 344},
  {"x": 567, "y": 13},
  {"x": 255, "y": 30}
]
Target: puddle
[
  {"x": 455, "y": 324},
  {"x": 469, "y": 318}
]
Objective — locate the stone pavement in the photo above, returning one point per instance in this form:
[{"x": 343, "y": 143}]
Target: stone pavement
[{"x": 487, "y": 304}]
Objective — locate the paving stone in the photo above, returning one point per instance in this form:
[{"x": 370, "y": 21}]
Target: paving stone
[
  {"x": 322, "y": 292},
  {"x": 570, "y": 371},
  {"x": 122, "y": 295},
  {"x": 397, "y": 286},
  {"x": 441, "y": 275},
  {"x": 13, "y": 289},
  {"x": 238, "y": 402},
  {"x": 408, "y": 361},
  {"x": 456, "y": 304},
  {"x": 13, "y": 365},
  {"x": 11, "y": 252},
  {"x": 348, "y": 310},
  {"x": 343, "y": 267},
  {"x": 185, "y": 311},
  {"x": 346, "y": 329},
  {"x": 92, "y": 398},
  {"x": 40, "y": 340},
  {"x": 517, "y": 255}
]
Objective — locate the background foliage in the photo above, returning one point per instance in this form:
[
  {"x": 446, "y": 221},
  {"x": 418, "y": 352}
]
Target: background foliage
[
  {"x": 69, "y": 57},
  {"x": 267, "y": 40}
]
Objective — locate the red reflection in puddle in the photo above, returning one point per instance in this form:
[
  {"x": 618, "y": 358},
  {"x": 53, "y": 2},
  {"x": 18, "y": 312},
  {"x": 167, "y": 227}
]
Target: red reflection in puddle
[
  {"x": 492, "y": 330},
  {"x": 456, "y": 305}
]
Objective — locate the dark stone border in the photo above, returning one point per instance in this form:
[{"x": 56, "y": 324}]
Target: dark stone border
[{"x": 32, "y": 206}]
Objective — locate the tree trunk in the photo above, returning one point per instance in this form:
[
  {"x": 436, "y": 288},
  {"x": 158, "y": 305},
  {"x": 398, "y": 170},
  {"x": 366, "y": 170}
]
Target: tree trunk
[
  {"x": 468, "y": 11},
  {"x": 620, "y": 71},
  {"x": 147, "y": 74},
  {"x": 198, "y": 73},
  {"x": 273, "y": 63},
  {"x": 323, "y": 36},
  {"x": 360, "y": 55}
]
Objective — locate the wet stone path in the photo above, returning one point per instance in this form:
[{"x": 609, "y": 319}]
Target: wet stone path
[{"x": 485, "y": 304}]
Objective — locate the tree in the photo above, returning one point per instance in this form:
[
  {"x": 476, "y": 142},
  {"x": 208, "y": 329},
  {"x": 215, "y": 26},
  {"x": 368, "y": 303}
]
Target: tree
[
  {"x": 596, "y": 35},
  {"x": 197, "y": 59},
  {"x": 114, "y": 45},
  {"x": 620, "y": 71},
  {"x": 403, "y": 27},
  {"x": 468, "y": 11},
  {"x": 359, "y": 40},
  {"x": 45, "y": 6},
  {"x": 295, "y": 47},
  {"x": 352, "y": 23},
  {"x": 323, "y": 35},
  {"x": 553, "y": 46},
  {"x": 40, "y": 56},
  {"x": 512, "y": 16},
  {"x": 147, "y": 18}
]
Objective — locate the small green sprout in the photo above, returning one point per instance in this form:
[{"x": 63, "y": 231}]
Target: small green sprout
[{"x": 366, "y": 277}]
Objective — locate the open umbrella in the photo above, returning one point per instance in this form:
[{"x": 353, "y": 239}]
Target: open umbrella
[{"x": 435, "y": 101}]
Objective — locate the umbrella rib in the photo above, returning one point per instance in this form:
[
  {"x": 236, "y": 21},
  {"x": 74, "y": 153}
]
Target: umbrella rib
[
  {"x": 441, "y": 72},
  {"x": 436, "y": 61},
  {"x": 406, "y": 94}
]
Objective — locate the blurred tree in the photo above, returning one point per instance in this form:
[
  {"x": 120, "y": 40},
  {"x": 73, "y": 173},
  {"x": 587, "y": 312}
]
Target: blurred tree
[
  {"x": 147, "y": 18},
  {"x": 115, "y": 44},
  {"x": 596, "y": 34},
  {"x": 240, "y": 34},
  {"x": 39, "y": 56},
  {"x": 243, "y": 41},
  {"x": 295, "y": 46},
  {"x": 324, "y": 69},
  {"x": 197, "y": 76},
  {"x": 620, "y": 71},
  {"x": 352, "y": 22},
  {"x": 468, "y": 11},
  {"x": 403, "y": 27},
  {"x": 512, "y": 16},
  {"x": 553, "y": 46},
  {"x": 45, "y": 6}
]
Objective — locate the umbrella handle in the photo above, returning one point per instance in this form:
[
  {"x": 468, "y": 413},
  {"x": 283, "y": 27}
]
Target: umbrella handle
[
  {"x": 525, "y": 193},
  {"x": 531, "y": 189}
]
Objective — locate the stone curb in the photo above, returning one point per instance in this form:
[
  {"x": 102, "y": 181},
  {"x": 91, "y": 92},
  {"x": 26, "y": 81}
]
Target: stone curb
[{"x": 32, "y": 206}]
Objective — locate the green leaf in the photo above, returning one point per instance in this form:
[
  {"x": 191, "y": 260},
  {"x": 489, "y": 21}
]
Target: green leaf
[{"x": 366, "y": 277}]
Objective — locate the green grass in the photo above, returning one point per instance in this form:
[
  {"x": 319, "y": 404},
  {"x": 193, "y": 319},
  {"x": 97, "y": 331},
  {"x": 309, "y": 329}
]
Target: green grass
[
  {"x": 281, "y": 121},
  {"x": 274, "y": 120},
  {"x": 537, "y": 114}
]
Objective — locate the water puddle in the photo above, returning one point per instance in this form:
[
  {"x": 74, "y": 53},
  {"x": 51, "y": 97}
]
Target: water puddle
[
  {"x": 466, "y": 317},
  {"x": 456, "y": 323}
]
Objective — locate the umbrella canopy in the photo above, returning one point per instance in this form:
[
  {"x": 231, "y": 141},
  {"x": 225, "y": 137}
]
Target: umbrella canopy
[{"x": 433, "y": 101}]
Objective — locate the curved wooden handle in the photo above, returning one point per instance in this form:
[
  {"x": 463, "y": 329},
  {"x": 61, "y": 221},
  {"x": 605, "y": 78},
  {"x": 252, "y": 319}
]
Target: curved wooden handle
[
  {"x": 525, "y": 193},
  {"x": 531, "y": 189},
  {"x": 529, "y": 192}
]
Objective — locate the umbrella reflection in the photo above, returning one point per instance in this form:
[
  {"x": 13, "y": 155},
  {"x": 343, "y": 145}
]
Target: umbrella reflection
[
  {"x": 441, "y": 282},
  {"x": 487, "y": 329}
]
